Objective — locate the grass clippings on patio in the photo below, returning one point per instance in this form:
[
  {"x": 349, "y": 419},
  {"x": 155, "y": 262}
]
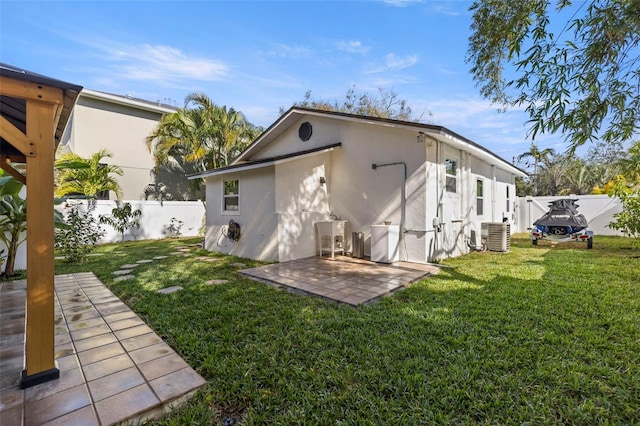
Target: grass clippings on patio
[{"x": 540, "y": 335}]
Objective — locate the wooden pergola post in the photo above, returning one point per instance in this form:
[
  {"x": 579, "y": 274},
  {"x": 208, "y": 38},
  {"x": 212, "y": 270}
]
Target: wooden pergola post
[
  {"x": 39, "y": 342},
  {"x": 30, "y": 128}
]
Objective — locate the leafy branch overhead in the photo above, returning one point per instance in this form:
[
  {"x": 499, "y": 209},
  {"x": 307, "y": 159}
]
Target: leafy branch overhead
[
  {"x": 577, "y": 73},
  {"x": 386, "y": 104}
]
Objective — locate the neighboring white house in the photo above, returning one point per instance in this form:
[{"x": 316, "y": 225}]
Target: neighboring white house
[
  {"x": 121, "y": 125},
  {"x": 312, "y": 165}
]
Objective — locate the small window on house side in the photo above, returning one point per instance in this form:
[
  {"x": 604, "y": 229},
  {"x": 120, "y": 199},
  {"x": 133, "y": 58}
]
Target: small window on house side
[
  {"x": 451, "y": 170},
  {"x": 479, "y": 198},
  {"x": 231, "y": 196},
  {"x": 508, "y": 200}
]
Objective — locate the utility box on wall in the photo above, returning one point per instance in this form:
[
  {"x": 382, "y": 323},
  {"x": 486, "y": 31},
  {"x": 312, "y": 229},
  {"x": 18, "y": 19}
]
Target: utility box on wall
[{"x": 496, "y": 236}]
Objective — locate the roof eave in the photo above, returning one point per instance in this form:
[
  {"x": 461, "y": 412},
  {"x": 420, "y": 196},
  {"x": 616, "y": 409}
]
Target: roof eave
[{"x": 126, "y": 101}]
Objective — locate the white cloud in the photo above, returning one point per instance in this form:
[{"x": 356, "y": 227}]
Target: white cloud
[
  {"x": 165, "y": 64},
  {"x": 394, "y": 62},
  {"x": 477, "y": 119},
  {"x": 353, "y": 46},
  {"x": 162, "y": 65},
  {"x": 401, "y": 3},
  {"x": 451, "y": 8},
  {"x": 282, "y": 50}
]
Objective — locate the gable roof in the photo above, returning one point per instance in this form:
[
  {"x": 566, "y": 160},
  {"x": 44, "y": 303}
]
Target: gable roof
[{"x": 294, "y": 114}]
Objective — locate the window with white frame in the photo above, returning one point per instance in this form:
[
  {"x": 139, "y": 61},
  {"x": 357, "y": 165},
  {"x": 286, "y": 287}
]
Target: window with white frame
[
  {"x": 479, "y": 197},
  {"x": 451, "y": 172},
  {"x": 508, "y": 200},
  {"x": 231, "y": 196}
]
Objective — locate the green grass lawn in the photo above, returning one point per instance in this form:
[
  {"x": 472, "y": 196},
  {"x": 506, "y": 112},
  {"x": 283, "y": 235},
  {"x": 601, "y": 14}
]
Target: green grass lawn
[{"x": 540, "y": 335}]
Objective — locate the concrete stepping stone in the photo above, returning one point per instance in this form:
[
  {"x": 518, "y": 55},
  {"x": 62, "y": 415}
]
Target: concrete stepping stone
[
  {"x": 122, "y": 272},
  {"x": 207, "y": 259},
  {"x": 160, "y": 257},
  {"x": 123, "y": 278},
  {"x": 129, "y": 266},
  {"x": 213, "y": 282},
  {"x": 176, "y": 253},
  {"x": 58, "y": 257},
  {"x": 170, "y": 290},
  {"x": 145, "y": 261},
  {"x": 95, "y": 254}
]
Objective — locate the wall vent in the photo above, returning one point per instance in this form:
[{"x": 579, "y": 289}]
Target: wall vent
[{"x": 496, "y": 236}]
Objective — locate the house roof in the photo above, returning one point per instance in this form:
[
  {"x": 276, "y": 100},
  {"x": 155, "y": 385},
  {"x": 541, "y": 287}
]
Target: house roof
[
  {"x": 14, "y": 109},
  {"x": 294, "y": 114},
  {"x": 129, "y": 101},
  {"x": 264, "y": 162}
]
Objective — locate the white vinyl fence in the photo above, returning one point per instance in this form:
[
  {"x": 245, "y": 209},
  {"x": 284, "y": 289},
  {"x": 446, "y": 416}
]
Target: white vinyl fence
[
  {"x": 597, "y": 209},
  {"x": 154, "y": 222}
]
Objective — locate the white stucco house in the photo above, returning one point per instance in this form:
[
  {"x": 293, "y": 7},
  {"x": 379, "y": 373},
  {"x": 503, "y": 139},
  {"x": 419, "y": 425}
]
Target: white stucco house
[
  {"x": 120, "y": 124},
  {"x": 434, "y": 186}
]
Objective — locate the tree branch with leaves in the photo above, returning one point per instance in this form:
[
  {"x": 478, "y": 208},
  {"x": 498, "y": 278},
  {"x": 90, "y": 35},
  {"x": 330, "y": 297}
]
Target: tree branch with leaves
[{"x": 579, "y": 77}]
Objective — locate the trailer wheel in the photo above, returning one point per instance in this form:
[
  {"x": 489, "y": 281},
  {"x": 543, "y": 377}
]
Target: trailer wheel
[
  {"x": 534, "y": 242},
  {"x": 590, "y": 243}
]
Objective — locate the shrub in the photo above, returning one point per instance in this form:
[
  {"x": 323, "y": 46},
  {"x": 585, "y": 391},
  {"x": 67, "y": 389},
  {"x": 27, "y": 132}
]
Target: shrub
[
  {"x": 80, "y": 236},
  {"x": 628, "y": 220},
  {"x": 123, "y": 218}
]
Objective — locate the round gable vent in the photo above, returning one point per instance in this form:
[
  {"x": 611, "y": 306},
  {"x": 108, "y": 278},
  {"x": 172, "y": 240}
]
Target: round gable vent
[{"x": 305, "y": 131}]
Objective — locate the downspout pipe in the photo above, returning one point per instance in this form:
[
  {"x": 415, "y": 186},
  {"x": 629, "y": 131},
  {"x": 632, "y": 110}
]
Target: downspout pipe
[{"x": 403, "y": 196}]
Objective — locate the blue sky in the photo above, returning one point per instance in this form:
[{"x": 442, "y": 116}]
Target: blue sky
[{"x": 258, "y": 56}]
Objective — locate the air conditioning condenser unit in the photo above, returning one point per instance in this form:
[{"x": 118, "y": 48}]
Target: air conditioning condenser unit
[{"x": 496, "y": 236}]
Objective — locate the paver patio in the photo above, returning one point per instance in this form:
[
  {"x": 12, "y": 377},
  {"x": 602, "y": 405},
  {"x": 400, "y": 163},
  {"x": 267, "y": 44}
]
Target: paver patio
[
  {"x": 342, "y": 279},
  {"x": 113, "y": 367}
]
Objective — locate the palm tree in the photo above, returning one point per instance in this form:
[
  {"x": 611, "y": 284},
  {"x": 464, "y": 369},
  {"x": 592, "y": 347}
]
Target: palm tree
[
  {"x": 538, "y": 156},
  {"x": 202, "y": 134},
  {"x": 579, "y": 177},
  {"x": 86, "y": 176},
  {"x": 630, "y": 165}
]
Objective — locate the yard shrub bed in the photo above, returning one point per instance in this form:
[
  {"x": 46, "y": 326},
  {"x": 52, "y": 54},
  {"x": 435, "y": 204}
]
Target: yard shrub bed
[{"x": 540, "y": 335}]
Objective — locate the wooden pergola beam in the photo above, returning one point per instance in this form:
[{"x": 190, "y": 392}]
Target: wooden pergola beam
[
  {"x": 5, "y": 164},
  {"x": 31, "y": 91},
  {"x": 16, "y": 138}
]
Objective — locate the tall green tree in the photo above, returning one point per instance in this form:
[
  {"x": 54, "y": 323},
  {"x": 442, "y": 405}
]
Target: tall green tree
[
  {"x": 386, "y": 104},
  {"x": 629, "y": 165},
  {"x": 538, "y": 156},
  {"x": 86, "y": 176},
  {"x": 202, "y": 135},
  {"x": 575, "y": 68}
]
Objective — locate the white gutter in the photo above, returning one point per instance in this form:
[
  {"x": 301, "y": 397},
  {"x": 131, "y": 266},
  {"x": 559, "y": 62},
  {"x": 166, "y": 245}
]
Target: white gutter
[
  {"x": 475, "y": 151},
  {"x": 253, "y": 166},
  {"x": 126, "y": 101}
]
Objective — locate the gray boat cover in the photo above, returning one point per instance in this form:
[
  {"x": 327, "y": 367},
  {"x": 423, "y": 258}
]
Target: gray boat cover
[{"x": 563, "y": 212}]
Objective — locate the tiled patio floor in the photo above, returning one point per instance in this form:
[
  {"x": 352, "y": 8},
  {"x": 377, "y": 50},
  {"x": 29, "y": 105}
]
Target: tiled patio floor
[
  {"x": 113, "y": 367},
  {"x": 343, "y": 279}
]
